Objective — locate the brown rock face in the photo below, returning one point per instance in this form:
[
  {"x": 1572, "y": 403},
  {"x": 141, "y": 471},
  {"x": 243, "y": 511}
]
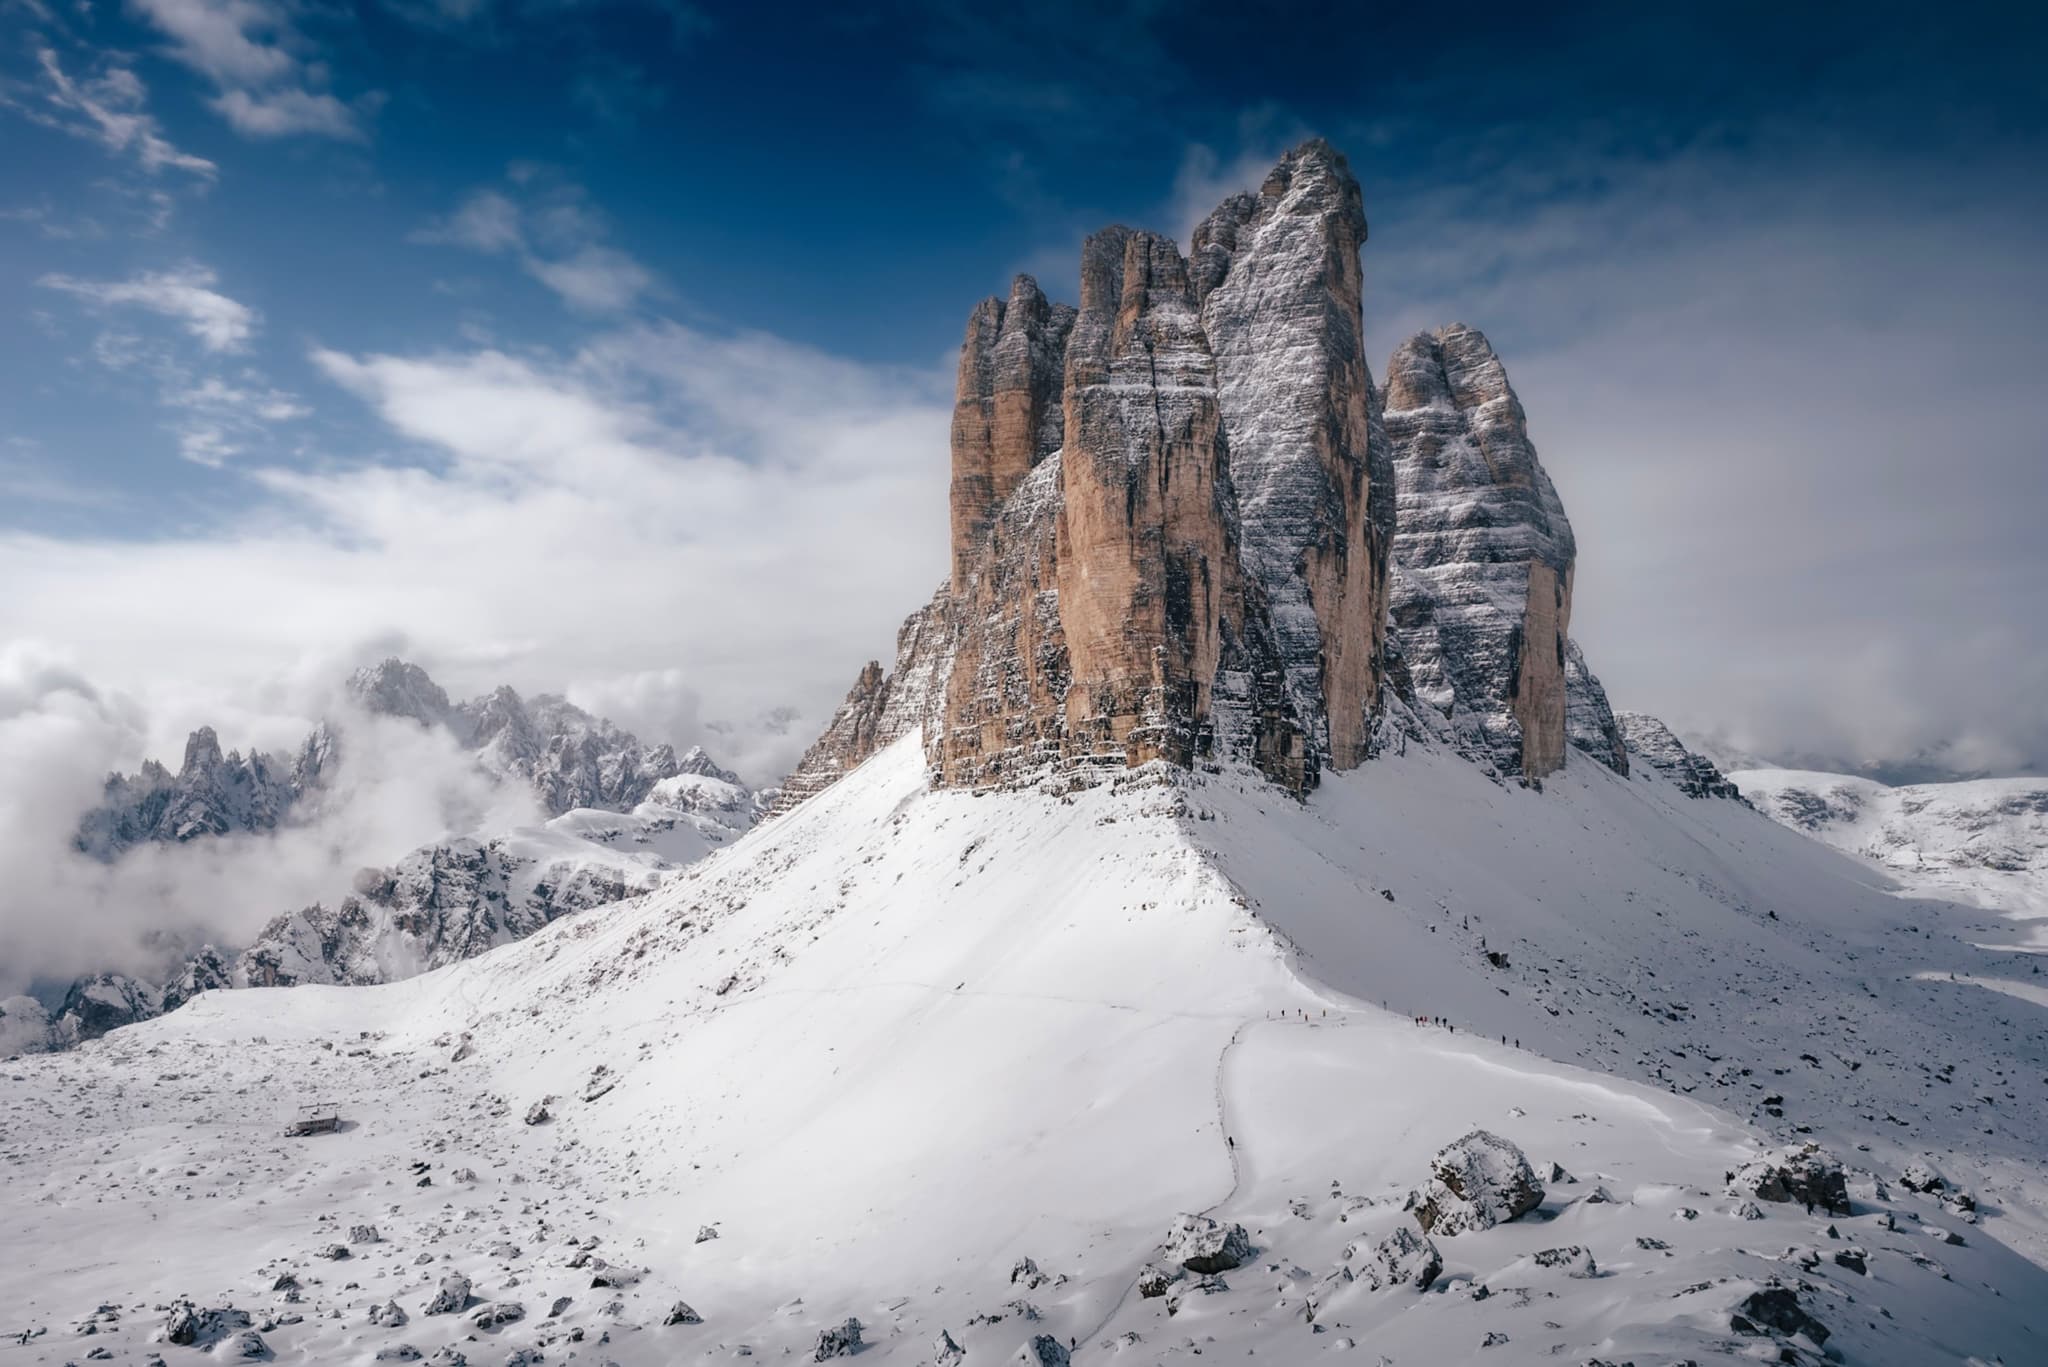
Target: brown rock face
[
  {"x": 1171, "y": 513},
  {"x": 1006, "y": 411},
  {"x": 1145, "y": 559}
]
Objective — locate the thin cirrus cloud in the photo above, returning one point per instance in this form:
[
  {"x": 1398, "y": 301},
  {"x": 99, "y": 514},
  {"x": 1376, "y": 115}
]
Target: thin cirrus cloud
[
  {"x": 556, "y": 238},
  {"x": 252, "y": 53},
  {"x": 185, "y": 294},
  {"x": 111, "y": 109}
]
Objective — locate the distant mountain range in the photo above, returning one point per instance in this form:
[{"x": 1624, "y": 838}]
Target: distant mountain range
[{"x": 623, "y": 816}]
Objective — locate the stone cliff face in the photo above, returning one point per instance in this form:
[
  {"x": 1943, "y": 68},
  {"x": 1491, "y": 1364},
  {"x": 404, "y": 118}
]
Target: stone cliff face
[
  {"x": 1171, "y": 513},
  {"x": 1278, "y": 278},
  {"x": 1007, "y": 411},
  {"x": 1483, "y": 559},
  {"x": 1187, "y": 527}
]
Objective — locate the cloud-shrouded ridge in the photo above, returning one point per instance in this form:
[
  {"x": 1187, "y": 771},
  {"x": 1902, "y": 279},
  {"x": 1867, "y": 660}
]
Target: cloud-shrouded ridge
[{"x": 587, "y": 523}]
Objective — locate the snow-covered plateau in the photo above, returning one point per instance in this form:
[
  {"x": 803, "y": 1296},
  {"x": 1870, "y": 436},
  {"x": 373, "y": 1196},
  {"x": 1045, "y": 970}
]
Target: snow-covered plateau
[{"x": 934, "y": 1076}]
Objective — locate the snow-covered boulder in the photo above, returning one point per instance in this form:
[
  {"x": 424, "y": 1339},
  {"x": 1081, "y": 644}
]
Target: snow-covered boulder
[
  {"x": 497, "y": 1314},
  {"x": 1403, "y": 1258},
  {"x": 452, "y": 1296},
  {"x": 1477, "y": 1182},
  {"x": 840, "y": 1341},
  {"x": 1043, "y": 1351},
  {"x": 1803, "y": 1173},
  {"x": 1203, "y": 1245}
]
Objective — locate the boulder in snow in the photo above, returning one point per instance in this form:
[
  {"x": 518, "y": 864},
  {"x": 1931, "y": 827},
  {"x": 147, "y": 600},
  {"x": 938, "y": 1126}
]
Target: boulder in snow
[
  {"x": 1804, "y": 1173},
  {"x": 497, "y": 1314},
  {"x": 1403, "y": 1258},
  {"x": 1477, "y": 1182},
  {"x": 1203, "y": 1245},
  {"x": 1043, "y": 1351},
  {"x": 681, "y": 1313},
  {"x": 840, "y": 1341},
  {"x": 452, "y": 1297},
  {"x": 1776, "y": 1309}
]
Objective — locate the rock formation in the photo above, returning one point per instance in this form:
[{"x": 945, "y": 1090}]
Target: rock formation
[
  {"x": 1171, "y": 513},
  {"x": 1652, "y": 742},
  {"x": 1187, "y": 527},
  {"x": 211, "y": 794},
  {"x": 1483, "y": 554}
]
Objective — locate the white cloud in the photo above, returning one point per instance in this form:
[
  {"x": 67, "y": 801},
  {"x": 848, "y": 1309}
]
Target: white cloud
[
  {"x": 556, "y": 236},
  {"x": 109, "y": 109},
  {"x": 185, "y": 293},
  {"x": 61, "y": 731},
  {"x": 690, "y": 529},
  {"x": 593, "y": 279},
  {"x": 283, "y": 113},
  {"x": 254, "y": 55}
]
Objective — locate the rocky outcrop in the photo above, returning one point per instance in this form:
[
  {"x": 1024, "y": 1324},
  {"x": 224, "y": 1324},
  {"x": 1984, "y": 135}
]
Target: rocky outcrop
[
  {"x": 568, "y": 757},
  {"x": 1589, "y": 723},
  {"x": 881, "y": 707},
  {"x": 211, "y": 794},
  {"x": 1483, "y": 557},
  {"x": 1652, "y": 742},
  {"x": 97, "y": 1005},
  {"x": 1171, "y": 514}
]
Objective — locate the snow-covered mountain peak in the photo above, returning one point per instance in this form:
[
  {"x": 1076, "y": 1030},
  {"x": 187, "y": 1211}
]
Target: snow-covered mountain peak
[{"x": 396, "y": 688}]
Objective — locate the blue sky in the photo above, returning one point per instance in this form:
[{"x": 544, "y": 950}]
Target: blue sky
[{"x": 608, "y": 346}]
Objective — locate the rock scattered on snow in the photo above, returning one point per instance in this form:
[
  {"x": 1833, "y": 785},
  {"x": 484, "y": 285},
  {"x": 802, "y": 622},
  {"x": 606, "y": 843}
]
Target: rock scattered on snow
[
  {"x": 1403, "y": 1258},
  {"x": 497, "y": 1314},
  {"x": 1803, "y": 1173},
  {"x": 1477, "y": 1182},
  {"x": 1575, "y": 1261},
  {"x": 842, "y": 1340},
  {"x": 389, "y": 1315},
  {"x": 1203, "y": 1245},
  {"x": 1777, "y": 1309},
  {"x": 1043, "y": 1351},
  {"x": 452, "y": 1297},
  {"x": 1155, "y": 1279},
  {"x": 681, "y": 1313}
]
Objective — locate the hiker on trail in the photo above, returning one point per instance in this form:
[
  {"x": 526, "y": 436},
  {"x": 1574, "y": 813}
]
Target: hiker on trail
[
  {"x": 1809, "y": 1205},
  {"x": 1231, "y": 1140}
]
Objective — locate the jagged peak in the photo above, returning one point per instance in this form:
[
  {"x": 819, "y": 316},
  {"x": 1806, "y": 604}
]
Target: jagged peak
[
  {"x": 202, "y": 752},
  {"x": 398, "y": 688}
]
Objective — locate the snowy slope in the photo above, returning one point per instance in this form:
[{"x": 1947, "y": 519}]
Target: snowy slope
[
  {"x": 899, "y": 1040},
  {"x": 1984, "y": 842}
]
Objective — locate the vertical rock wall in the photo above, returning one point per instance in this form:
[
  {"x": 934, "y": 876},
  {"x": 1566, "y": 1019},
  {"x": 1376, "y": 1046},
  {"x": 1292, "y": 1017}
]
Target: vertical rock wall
[{"x": 1483, "y": 553}]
